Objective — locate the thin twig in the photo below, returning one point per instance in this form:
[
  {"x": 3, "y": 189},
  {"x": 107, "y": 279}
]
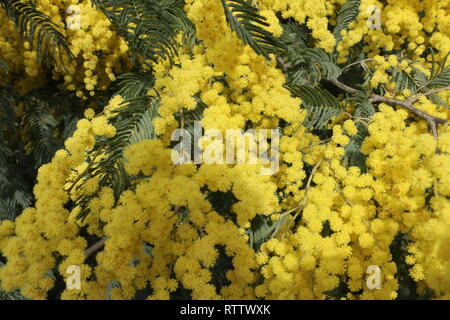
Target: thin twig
[
  {"x": 432, "y": 120},
  {"x": 406, "y": 104},
  {"x": 182, "y": 118},
  {"x": 289, "y": 211},
  {"x": 303, "y": 205},
  {"x": 355, "y": 63},
  {"x": 344, "y": 87},
  {"x": 95, "y": 247},
  {"x": 415, "y": 98}
]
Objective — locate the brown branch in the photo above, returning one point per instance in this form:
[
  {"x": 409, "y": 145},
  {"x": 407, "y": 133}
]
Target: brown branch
[
  {"x": 344, "y": 87},
  {"x": 432, "y": 120},
  {"x": 415, "y": 98},
  {"x": 406, "y": 104},
  {"x": 95, "y": 247},
  {"x": 355, "y": 63}
]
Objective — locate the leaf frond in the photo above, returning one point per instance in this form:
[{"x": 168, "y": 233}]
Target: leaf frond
[
  {"x": 248, "y": 24},
  {"x": 149, "y": 27},
  {"x": 348, "y": 13},
  {"x": 39, "y": 30}
]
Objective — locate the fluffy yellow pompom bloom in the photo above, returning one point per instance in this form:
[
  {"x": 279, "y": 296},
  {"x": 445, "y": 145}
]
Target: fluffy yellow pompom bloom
[{"x": 350, "y": 128}]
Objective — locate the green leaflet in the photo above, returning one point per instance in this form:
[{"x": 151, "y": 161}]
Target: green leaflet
[
  {"x": 3, "y": 67},
  {"x": 348, "y": 13},
  {"x": 310, "y": 65},
  {"x": 149, "y": 27},
  {"x": 247, "y": 23},
  {"x": 133, "y": 123},
  {"x": 263, "y": 229},
  {"x": 134, "y": 84},
  {"x": 321, "y": 105},
  {"x": 315, "y": 96},
  {"x": 412, "y": 81},
  {"x": 318, "y": 116},
  {"x": 353, "y": 155},
  {"x": 38, "y": 29}
]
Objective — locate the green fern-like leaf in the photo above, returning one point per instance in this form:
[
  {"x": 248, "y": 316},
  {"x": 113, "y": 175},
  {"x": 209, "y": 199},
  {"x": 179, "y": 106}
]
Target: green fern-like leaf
[
  {"x": 38, "y": 29},
  {"x": 48, "y": 122},
  {"x": 118, "y": 179},
  {"x": 438, "y": 100},
  {"x": 441, "y": 80},
  {"x": 149, "y": 27},
  {"x": 322, "y": 106},
  {"x": 247, "y": 23},
  {"x": 263, "y": 229},
  {"x": 418, "y": 82},
  {"x": 310, "y": 65},
  {"x": 315, "y": 96},
  {"x": 15, "y": 189},
  {"x": 127, "y": 121},
  {"x": 134, "y": 84},
  {"x": 353, "y": 155},
  {"x": 440, "y": 71},
  {"x": 40, "y": 125},
  {"x": 318, "y": 116},
  {"x": 346, "y": 15},
  {"x": 144, "y": 129},
  {"x": 133, "y": 122},
  {"x": 294, "y": 34},
  {"x": 4, "y": 67},
  {"x": 7, "y": 106},
  {"x": 182, "y": 22},
  {"x": 413, "y": 81}
]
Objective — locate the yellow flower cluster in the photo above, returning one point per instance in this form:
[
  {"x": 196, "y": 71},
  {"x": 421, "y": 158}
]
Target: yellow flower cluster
[
  {"x": 45, "y": 229},
  {"x": 335, "y": 237},
  {"x": 400, "y": 23},
  {"x": 420, "y": 165},
  {"x": 313, "y": 13},
  {"x": 89, "y": 35},
  {"x": 94, "y": 36},
  {"x": 381, "y": 64}
]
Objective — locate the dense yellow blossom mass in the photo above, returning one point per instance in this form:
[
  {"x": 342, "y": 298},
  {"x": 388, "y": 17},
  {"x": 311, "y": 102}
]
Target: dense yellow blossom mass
[{"x": 338, "y": 219}]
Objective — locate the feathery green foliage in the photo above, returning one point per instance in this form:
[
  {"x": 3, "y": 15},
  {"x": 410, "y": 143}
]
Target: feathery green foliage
[
  {"x": 135, "y": 84},
  {"x": 310, "y": 65},
  {"x": 133, "y": 123},
  {"x": 263, "y": 229},
  {"x": 346, "y": 15},
  {"x": 47, "y": 121},
  {"x": 149, "y": 27},
  {"x": 353, "y": 155},
  {"x": 15, "y": 190},
  {"x": 245, "y": 20},
  {"x": 315, "y": 96},
  {"x": 38, "y": 29},
  {"x": 3, "y": 67}
]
